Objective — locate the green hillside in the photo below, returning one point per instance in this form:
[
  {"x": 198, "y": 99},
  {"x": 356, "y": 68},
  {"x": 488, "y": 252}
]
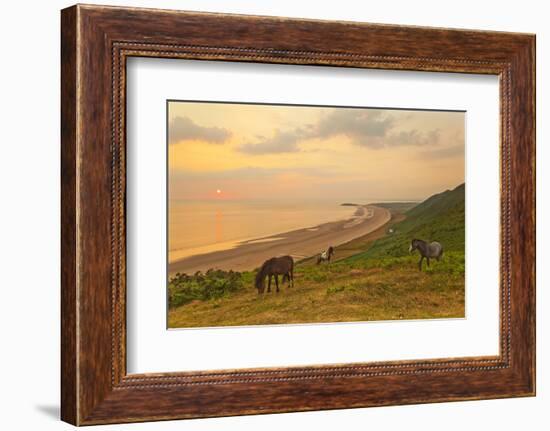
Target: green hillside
[{"x": 438, "y": 218}]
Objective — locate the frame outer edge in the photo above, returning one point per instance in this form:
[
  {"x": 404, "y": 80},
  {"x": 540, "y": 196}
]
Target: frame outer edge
[
  {"x": 523, "y": 213},
  {"x": 531, "y": 64},
  {"x": 532, "y": 83},
  {"x": 69, "y": 304},
  {"x": 533, "y": 54}
]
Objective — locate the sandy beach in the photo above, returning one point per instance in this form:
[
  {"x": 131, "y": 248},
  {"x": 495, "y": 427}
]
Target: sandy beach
[{"x": 300, "y": 243}]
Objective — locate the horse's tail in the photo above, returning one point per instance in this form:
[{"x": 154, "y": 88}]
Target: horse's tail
[{"x": 289, "y": 276}]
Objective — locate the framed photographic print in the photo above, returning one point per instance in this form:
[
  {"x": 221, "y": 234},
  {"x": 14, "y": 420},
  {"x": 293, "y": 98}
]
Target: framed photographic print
[{"x": 283, "y": 215}]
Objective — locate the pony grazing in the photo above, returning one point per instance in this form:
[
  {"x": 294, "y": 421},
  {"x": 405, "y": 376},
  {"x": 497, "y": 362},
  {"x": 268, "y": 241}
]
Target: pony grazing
[
  {"x": 275, "y": 266},
  {"x": 326, "y": 255},
  {"x": 427, "y": 250}
]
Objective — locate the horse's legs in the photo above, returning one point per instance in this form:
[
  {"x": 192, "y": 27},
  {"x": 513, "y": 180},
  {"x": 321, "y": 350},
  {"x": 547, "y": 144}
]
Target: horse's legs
[
  {"x": 291, "y": 277},
  {"x": 277, "y": 282},
  {"x": 420, "y": 263},
  {"x": 428, "y": 260},
  {"x": 269, "y": 284}
]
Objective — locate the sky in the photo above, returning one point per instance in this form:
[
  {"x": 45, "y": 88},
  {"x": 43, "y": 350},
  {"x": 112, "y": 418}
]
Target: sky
[{"x": 250, "y": 152}]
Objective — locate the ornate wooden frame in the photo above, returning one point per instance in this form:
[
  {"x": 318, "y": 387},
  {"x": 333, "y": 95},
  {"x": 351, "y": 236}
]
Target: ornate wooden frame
[{"x": 95, "y": 42}]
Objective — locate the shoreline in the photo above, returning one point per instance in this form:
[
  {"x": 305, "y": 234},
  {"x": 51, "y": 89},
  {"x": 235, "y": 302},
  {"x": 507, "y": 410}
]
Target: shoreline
[
  {"x": 180, "y": 254},
  {"x": 300, "y": 243}
]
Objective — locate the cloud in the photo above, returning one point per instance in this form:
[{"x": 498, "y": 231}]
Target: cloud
[
  {"x": 250, "y": 172},
  {"x": 414, "y": 137},
  {"x": 253, "y": 172},
  {"x": 372, "y": 128},
  {"x": 281, "y": 142},
  {"x": 356, "y": 124},
  {"x": 185, "y": 129}
]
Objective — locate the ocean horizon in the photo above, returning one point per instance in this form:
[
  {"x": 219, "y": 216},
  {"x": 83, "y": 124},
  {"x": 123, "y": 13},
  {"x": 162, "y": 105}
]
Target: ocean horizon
[{"x": 197, "y": 227}]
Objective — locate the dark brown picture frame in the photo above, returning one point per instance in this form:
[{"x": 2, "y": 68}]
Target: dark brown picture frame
[{"x": 96, "y": 41}]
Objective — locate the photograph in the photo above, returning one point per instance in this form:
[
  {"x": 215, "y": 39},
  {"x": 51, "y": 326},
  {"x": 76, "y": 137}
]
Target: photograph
[{"x": 299, "y": 214}]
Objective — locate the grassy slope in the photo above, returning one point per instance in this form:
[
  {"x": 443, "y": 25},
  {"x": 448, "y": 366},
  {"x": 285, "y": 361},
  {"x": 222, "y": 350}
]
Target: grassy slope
[
  {"x": 438, "y": 218},
  {"x": 388, "y": 289},
  {"x": 375, "y": 278}
]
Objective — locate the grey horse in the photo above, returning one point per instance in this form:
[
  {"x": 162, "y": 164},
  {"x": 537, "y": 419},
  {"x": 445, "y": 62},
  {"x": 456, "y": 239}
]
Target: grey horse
[{"x": 427, "y": 250}]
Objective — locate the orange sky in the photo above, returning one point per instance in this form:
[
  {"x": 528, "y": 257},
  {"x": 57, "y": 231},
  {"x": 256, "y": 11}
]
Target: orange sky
[{"x": 293, "y": 152}]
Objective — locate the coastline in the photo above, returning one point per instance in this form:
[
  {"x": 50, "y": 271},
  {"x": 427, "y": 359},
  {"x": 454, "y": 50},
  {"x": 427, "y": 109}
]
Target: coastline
[{"x": 300, "y": 243}]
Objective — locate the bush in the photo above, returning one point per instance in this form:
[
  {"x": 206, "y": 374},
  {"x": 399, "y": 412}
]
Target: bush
[{"x": 212, "y": 284}]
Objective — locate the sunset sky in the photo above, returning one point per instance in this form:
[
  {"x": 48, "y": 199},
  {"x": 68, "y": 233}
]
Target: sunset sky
[{"x": 239, "y": 151}]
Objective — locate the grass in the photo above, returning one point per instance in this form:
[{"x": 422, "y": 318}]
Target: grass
[
  {"x": 345, "y": 291},
  {"x": 374, "y": 279}
]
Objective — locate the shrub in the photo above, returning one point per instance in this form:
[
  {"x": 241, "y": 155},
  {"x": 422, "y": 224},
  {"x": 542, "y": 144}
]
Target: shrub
[{"x": 212, "y": 284}]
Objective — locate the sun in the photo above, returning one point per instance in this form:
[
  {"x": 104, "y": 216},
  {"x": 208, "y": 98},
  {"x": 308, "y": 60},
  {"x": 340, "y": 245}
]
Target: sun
[{"x": 218, "y": 191}]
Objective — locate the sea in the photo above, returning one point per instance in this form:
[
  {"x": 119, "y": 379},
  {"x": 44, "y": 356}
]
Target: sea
[{"x": 197, "y": 227}]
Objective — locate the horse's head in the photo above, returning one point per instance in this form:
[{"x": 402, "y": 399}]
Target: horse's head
[
  {"x": 413, "y": 246},
  {"x": 260, "y": 281},
  {"x": 330, "y": 251}
]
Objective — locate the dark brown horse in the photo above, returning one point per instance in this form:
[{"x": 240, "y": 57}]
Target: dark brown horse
[{"x": 275, "y": 266}]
